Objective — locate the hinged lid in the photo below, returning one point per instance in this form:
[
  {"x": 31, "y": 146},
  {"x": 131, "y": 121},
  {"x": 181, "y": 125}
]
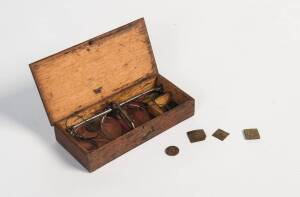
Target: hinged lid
[{"x": 80, "y": 76}]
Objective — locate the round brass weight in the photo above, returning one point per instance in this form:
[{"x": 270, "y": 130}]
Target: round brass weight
[{"x": 172, "y": 150}]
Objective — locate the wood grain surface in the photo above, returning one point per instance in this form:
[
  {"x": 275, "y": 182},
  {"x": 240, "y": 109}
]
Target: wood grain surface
[{"x": 85, "y": 74}]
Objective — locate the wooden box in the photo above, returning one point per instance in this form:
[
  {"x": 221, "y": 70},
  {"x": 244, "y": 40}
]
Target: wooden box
[{"x": 114, "y": 66}]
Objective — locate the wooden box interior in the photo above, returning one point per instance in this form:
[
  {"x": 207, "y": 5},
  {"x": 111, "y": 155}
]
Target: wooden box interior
[{"x": 93, "y": 159}]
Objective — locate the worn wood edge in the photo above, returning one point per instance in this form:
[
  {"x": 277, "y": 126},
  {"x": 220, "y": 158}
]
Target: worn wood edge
[
  {"x": 44, "y": 103},
  {"x": 150, "y": 49}
]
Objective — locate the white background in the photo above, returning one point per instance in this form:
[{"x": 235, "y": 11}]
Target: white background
[{"x": 239, "y": 59}]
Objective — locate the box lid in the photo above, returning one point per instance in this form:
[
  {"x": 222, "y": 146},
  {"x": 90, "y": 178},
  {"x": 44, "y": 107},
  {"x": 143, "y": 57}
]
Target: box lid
[{"x": 85, "y": 74}]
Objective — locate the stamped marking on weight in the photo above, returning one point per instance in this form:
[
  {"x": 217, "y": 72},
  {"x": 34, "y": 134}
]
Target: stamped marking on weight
[
  {"x": 220, "y": 134},
  {"x": 251, "y": 134},
  {"x": 196, "y": 135}
]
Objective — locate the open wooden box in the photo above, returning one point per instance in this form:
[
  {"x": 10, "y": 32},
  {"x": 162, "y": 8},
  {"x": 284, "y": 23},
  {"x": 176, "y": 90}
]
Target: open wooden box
[{"x": 114, "y": 66}]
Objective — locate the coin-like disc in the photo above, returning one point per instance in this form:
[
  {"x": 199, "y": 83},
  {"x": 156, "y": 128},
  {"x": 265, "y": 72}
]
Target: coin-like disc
[{"x": 172, "y": 150}]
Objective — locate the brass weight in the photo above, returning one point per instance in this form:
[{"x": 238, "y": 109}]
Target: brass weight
[
  {"x": 163, "y": 100},
  {"x": 154, "y": 109},
  {"x": 156, "y": 106}
]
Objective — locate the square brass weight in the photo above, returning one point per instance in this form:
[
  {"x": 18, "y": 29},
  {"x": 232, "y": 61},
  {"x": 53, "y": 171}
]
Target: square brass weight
[
  {"x": 220, "y": 134},
  {"x": 251, "y": 134},
  {"x": 196, "y": 135}
]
